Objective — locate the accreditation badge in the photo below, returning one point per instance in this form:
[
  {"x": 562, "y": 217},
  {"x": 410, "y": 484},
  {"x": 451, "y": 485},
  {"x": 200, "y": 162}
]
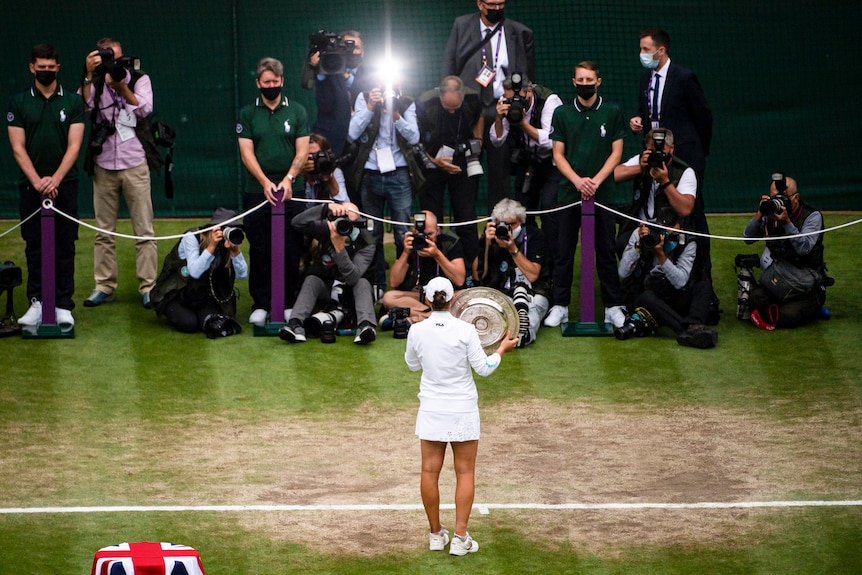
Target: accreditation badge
[{"x": 485, "y": 76}]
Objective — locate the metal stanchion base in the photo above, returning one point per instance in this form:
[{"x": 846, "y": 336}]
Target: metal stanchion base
[
  {"x": 269, "y": 329},
  {"x": 47, "y": 331},
  {"x": 586, "y": 328}
]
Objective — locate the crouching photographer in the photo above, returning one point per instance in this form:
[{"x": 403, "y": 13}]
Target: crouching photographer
[
  {"x": 792, "y": 286},
  {"x": 428, "y": 253},
  {"x": 337, "y": 276},
  {"x": 512, "y": 260},
  {"x": 665, "y": 285},
  {"x": 195, "y": 289}
]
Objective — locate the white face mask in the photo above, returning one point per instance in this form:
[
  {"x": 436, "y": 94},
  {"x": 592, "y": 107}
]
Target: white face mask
[
  {"x": 516, "y": 233},
  {"x": 648, "y": 62}
]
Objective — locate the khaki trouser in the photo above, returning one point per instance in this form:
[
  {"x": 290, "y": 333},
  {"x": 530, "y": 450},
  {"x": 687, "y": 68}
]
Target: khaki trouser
[{"x": 134, "y": 184}]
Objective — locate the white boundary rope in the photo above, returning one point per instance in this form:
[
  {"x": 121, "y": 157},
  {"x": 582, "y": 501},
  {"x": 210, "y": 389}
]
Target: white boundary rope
[
  {"x": 483, "y": 508},
  {"x": 49, "y": 205}
]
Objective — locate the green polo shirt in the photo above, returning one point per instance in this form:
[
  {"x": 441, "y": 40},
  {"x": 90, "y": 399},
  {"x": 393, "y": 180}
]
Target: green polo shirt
[
  {"x": 274, "y": 133},
  {"x": 589, "y": 135},
  {"x": 46, "y": 125}
]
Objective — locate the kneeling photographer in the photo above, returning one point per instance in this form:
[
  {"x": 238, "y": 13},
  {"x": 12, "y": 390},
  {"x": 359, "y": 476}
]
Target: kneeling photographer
[
  {"x": 322, "y": 174},
  {"x": 337, "y": 276},
  {"x": 792, "y": 286},
  {"x": 195, "y": 289},
  {"x": 512, "y": 260},
  {"x": 665, "y": 285},
  {"x": 428, "y": 253}
]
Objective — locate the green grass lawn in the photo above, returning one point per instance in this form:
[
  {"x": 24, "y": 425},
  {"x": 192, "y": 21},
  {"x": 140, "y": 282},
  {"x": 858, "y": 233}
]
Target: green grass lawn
[{"x": 92, "y": 421}]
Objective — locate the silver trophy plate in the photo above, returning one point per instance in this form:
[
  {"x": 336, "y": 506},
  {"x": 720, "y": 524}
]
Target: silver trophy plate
[{"x": 490, "y": 311}]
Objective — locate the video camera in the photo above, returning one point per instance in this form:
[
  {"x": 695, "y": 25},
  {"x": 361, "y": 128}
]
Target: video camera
[
  {"x": 517, "y": 103},
  {"x": 116, "y": 67},
  {"x": 335, "y": 52},
  {"x": 658, "y": 157},
  {"x": 420, "y": 238}
]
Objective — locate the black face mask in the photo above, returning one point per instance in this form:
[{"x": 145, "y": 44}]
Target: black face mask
[
  {"x": 46, "y": 77},
  {"x": 271, "y": 93},
  {"x": 585, "y": 91},
  {"x": 494, "y": 16}
]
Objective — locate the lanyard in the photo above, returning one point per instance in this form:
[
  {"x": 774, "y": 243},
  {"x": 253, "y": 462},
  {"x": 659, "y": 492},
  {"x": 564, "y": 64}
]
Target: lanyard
[{"x": 496, "y": 51}]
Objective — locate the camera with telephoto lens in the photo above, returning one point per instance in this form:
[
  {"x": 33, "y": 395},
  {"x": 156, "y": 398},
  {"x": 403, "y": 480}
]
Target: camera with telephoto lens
[
  {"x": 334, "y": 50},
  {"x": 400, "y": 325},
  {"x": 517, "y": 103},
  {"x": 774, "y": 205},
  {"x": 324, "y": 164},
  {"x": 323, "y": 324},
  {"x": 420, "y": 152},
  {"x": 640, "y": 323},
  {"x": 657, "y": 157},
  {"x": 233, "y": 234},
  {"x": 420, "y": 238},
  {"x": 471, "y": 151},
  {"x": 98, "y": 134}
]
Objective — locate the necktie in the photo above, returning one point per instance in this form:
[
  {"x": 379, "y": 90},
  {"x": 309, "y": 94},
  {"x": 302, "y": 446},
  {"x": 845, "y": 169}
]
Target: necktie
[
  {"x": 656, "y": 113},
  {"x": 487, "y": 92}
]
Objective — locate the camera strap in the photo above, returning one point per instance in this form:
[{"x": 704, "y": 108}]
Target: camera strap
[{"x": 472, "y": 51}]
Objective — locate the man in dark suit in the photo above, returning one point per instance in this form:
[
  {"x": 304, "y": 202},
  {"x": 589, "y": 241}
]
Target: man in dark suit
[
  {"x": 484, "y": 49},
  {"x": 670, "y": 96}
]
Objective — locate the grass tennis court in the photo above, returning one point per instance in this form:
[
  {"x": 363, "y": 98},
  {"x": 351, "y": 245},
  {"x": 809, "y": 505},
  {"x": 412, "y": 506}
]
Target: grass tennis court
[{"x": 131, "y": 413}]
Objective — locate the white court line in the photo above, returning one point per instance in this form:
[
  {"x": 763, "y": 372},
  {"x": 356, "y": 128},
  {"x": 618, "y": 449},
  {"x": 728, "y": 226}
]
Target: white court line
[{"x": 484, "y": 508}]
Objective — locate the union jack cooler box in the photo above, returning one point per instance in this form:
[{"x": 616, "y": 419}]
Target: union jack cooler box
[{"x": 146, "y": 558}]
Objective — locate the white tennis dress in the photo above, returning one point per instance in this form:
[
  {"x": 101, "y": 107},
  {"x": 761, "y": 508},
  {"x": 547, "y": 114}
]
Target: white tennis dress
[{"x": 445, "y": 348}]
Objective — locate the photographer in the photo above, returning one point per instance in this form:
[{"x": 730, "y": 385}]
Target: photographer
[
  {"x": 384, "y": 128},
  {"x": 660, "y": 269},
  {"x": 512, "y": 260},
  {"x": 339, "y": 259},
  {"x": 195, "y": 290},
  {"x": 427, "y": 254},
  {"x": 659, "y": 180},
  {"x": 335, "y": 87},
  {"x": 792, "y": 285},
  {"x": 119, "y": 96},
  {"x": 523, "y": 121},
  {"x": 450, "y": 118},
  {"x": 323, "y": 179}
]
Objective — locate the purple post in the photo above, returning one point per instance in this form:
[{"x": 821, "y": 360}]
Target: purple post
[
  {"x": 588, "y": 260},
  {"x": 49, "y": 280},
  {"x": 276, "y": 314}
]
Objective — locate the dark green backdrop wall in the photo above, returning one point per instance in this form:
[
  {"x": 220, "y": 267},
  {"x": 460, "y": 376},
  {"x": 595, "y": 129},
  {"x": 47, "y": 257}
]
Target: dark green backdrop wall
[{"x": 782, "y": 77}]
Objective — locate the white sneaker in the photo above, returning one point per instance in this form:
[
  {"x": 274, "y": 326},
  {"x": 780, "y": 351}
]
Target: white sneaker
[
  {"x": 439, "y": 540},
  {"x": 258, "y": 317},
  {"x": 615, "y": 315},
  {"x": 64, "y": 318},
  {"x": 558, "y": 314},
  {"x": 33, "y": 317},
  {"x": 463, "y": 545}
]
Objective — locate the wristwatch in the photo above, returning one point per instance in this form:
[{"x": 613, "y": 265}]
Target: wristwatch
[
  {"x": 87, "y": 81},
  {"x": 291, "y": 178}
]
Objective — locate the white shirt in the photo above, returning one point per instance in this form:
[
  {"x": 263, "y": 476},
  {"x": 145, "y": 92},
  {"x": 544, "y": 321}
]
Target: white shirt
[
  {"x": 496, "y": 46},
  {"x": 444, "y": 347},
  {"x": 198, "y": 262}
]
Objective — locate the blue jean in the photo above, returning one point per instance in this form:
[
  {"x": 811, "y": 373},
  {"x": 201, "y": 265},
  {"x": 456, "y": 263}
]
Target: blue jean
[{"x": 391, "y": 188}]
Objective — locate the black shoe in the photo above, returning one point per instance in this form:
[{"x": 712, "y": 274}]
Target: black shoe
[
  {"x": 698, "y": 337},
  {"x": 365, "y": 333},
  {"x": 292, "y": 333}
]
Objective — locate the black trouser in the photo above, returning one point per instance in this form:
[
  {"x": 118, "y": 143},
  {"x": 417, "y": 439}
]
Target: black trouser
[
  {"x": 569, "y": 221},
  {"x": 258, "y": 230},
  {"x": 187, "y": 319},
  {"x": 463, "y": 191},
  {"x": 65, "y": 234},
  {"x": 678, "y": 309},
  {"x": 698, "y": 220},
  {"x": 497, "y": 163}
]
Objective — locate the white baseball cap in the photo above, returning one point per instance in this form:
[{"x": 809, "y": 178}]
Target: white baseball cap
[{"x": 439, "y": 284}]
